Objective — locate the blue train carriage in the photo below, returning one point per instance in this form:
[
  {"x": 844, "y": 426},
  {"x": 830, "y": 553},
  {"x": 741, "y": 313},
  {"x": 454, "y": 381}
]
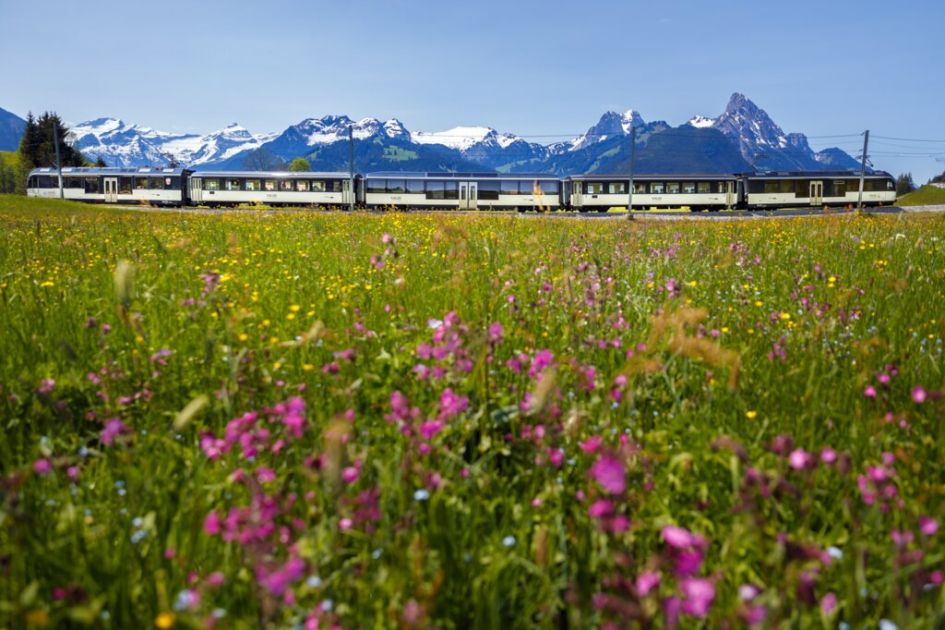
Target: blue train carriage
[
  {"x": 152, "y": 186},
  {"x": 818, "y": 189},
  {"x": 462, "y": 191},
  {"x": 273, "y": 188},
  {"x": 696, "y": 192}
]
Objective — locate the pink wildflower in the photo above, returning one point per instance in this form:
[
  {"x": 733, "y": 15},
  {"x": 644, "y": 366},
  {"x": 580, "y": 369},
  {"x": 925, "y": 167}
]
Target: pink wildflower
[
  {"x": 113, "y": 428},
  {"x": 918, "y": 394},
  {"x": 609, "y": 472},
  {"x": 699, "y": 593},
  {"x": 211, "y": 524},
  {"x": 46, "y": 386},
  {"x": 928, "y": 525},
  {"x": 42, "y": 467},
  {"x": 646, "y": 582},
  {"x": 870, "y": 391}
]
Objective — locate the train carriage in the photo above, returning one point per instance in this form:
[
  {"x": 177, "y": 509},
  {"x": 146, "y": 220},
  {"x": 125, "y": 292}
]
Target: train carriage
[
  {"x": 462, "y": 191},
  {"x": 841, "y": 188},
  {"x": 153, "y": 186},
  {"x": 274, "y": 188},
  {"x": 697, "y": 192}
]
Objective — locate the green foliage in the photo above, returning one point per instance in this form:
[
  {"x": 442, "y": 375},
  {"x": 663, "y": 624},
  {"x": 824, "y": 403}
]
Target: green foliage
[
  {"x": 924, "y": 196},
  {"x": 37, "y": 148},
  {"x": 300, "y": 165},
  {"x": 707, "y": 365},
  {"x": 904, "y": 184},
  {"x": 8, "y": 171}
]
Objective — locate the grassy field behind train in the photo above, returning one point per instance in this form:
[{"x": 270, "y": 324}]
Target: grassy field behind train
[
  {"x": 267, "y": 419},
  {"x": 925, "y": 196}
]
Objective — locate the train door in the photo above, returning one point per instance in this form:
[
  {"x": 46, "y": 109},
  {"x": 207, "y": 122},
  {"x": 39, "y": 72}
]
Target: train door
[
  {"x": 111, "y": 189},
  {"x": 346, "y": 194},
  {"x": 468, "y": 195},
  {"x": 816, "y": 193},
  {"x": 576, "y": 198},
  {"x": 730, "y": 194},
  {"x": 196, "y": 190}
]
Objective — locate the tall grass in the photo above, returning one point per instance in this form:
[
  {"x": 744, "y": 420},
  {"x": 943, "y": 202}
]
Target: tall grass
[{"x": 268, "y": 419}]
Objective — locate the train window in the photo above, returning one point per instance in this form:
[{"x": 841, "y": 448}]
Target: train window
[
  {"x": 508, "y": 187},
  {"x": 488, "y": 190},
  {"x": 141, "y": 183},
  {"x": 73, "y": 182},
  {"x": 415, "y": 186},
  {"x": 772, "y": 186},
  {"x": 286, "y": 184},
  {"x": 302, "y": 185},
  {"x": 334, "y": 185},
  {"x": 802, "y": 188},
  {"x": 395, "y": 186},
  {"x": 233, "y": 184},
  {"x": 549, "y": 188},
  {"x": 689, "y": 187},
  {"x": 91, "y": 185},
  {"x": 672, "y": 188},
  {"x": 124, "y": 185},
  {"x": 253, "y": 185},
  {"x": 450, "y": 190},
  {"x": 594, "y": 188},
  {"x": 171, "y": 183},
  {"x": 211, "y": 184},
  {"x": 702, "y": 188},
  {"x": 269, "y": 184},
  {"x": 617, "y": 188},
  {"x": 639, "y": 188},
  {"x": 839, "y": 189},
  {"x": 657, "y": 188},
  {"x": 435, "y": 190}
]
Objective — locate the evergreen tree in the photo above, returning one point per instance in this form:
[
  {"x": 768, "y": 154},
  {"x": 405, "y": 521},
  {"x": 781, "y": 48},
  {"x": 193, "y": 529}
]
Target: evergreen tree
[
  {"x": 904, "y": 184},
  {"x": 300, "y": 165},
  {"x": 100, "y": 163},
  {"x": 37, "y": 148},
  {"x": 939, "y": 179}
]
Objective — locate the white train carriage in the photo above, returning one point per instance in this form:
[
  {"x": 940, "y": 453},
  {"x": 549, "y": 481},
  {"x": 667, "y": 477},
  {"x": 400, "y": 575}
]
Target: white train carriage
[
  {"x": 696, "y": 192},
  {"x": 779, "y": 190},
  {"x": 153, "y": 186},
  {"x": 462, "y": 191},
  {"x": 274, "y": 188}
]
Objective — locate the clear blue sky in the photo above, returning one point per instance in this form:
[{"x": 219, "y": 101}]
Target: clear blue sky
[{"x": 532, "y": 67}]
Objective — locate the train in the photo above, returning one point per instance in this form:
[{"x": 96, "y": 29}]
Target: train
[{"x": 463, "y": 191}]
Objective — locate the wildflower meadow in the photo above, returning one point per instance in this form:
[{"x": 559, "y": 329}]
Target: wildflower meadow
[{"x": 312, "y": 420}]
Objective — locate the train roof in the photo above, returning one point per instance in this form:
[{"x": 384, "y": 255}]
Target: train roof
[
  {"x": 92, "y": 170},
  {"x": 275, "y": 174},
  {"x": 814, "y": 174},
  {"x": 415, "y": 175},
  {"x": 649, "y": 176}
]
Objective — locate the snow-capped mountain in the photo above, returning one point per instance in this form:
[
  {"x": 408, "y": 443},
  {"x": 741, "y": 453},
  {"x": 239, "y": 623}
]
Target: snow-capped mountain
[
  {"x": 486, "y": 146},
  {"x": 610, "y": 124},
  {"x": 121, "y": 144},
  {"x": 764, "y": 144},
  {"x": 743, "y": 137}
]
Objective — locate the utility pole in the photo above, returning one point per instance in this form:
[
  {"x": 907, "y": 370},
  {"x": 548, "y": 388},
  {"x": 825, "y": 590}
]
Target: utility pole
[
  {"x": 633, "y": 151},
  {"x": 866, "y": 144},
  {"x": 55, "y": 136},
  {"x": 351, "y": 168}
]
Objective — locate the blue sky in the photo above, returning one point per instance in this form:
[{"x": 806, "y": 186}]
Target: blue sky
[{"x": 823, "y": 68}]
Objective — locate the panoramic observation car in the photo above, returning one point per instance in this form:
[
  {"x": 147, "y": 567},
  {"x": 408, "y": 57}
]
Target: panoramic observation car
[
  {"x": 461, "y": 191},
  {"x": 841, "y": 188},
  {"x": 697, "y": 192},
  {"x": 230, "y": 188},
  {"x": 156, "y": 186}
]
